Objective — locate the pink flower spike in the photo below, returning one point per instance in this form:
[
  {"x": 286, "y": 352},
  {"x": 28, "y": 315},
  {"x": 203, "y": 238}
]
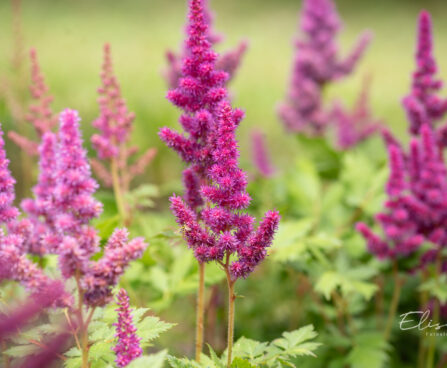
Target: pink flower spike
[{"x": 128, "y": 346}]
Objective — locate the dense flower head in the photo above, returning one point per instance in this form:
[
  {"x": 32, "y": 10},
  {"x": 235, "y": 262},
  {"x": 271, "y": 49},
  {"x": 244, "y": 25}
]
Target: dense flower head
[
  {"x": 7, "y": 211},
  {"x": 210, "y": 214},
  {"x": 353, "y": 127},
  {"x": 416, "y": 210},
  {"x": 40, "y": 209},
  {"x": 115, "y": 124},
  {"x": 75, "y": 186},
  {"x": 104, "y": 274},
  {"x": 423, "y": 105},
  {"x": 115, "y": 121},
  {"x": 128, "y": 346},
  {"x": 228, "y": 62},
  {"x": 40, "y": 114},
  {"x": 260, "y": 155},
  {"x": 316, "y": 64}
]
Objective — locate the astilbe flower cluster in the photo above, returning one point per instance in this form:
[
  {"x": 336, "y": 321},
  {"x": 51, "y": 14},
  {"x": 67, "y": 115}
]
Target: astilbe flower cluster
[
  {"x": 115, "y": 124},
  {"x": 353, "y": 127},
  {"x": 13, "y": 240},
  {"x": 128, "y": 346},
  {"x": 40, "y": 114},
  {"x": 316, "y": 64},
  {"x": 260, "y": 155},
  {"x": 423, "y": 105},
  {"x": 61, "y": 212},
  {"x": 229, "y": 61},
  {"x": 213, "y": 179},
  {"x": 416, "y": 210}
]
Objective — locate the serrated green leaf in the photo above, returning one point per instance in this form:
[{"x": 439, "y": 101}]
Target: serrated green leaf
[
  {"x": 151, "y": 327},
  {"x": 21, "y": 351},
  {"x": 241, "y": 363},
  {"x": 181, "y": 363},
  {"x": 152, "y": 361}
]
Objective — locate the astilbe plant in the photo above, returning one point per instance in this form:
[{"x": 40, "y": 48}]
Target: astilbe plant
[
  {"x": 59, "y": 223},
  {"x": 229, "y": 61},
  {"x": 128, "y": 345},
  {"x": 40, "y": 114},
  {"x": 260, "y": 154},
  {"x": 211, "y": 213},
  {"x": 423, "y": 105},
  {"x": 357, "y": 125},
  {"x": 112, "y": 143},
  {"x": 316, "y": 65}
]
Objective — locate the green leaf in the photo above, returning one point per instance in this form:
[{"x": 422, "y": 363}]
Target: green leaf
[
  {"x": 436, "y": 288},
  {"x": 151, "y": 327},
  {"x": 73, "y": 362},
  {"x": 152, "y": 361},
  {"x": 241, "y": 363},
  {"x": 247, "y": 348},
  {"x": 369, "y": 351},
  {"x": 21, "y": 351},
  {"x": 182, "y": 363}
]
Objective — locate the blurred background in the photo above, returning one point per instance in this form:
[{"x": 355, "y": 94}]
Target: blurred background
[{"x": 69, "y": 36}]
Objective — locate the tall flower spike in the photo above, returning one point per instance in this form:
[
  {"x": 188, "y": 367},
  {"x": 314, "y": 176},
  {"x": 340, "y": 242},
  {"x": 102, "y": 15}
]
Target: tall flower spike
[
  {"x": 74, "y": 203},
  {"x": 353, "y": 127},
  {"x": 7, "y": 211},
  {"x": 40, "y": 209},
  {"x": 228, "y": 62},
  {"x": 316, "y": 64},
  {"x": 128, "y": 346},
  {"x": 211, "y": 150},
  {"x": 423, "y": 105},
  {"x": 40, "y": 114},
  {"x": 75, "y": 186},
  {"x": 113, "y": 166},
  {"x": 260, "y": 154}
]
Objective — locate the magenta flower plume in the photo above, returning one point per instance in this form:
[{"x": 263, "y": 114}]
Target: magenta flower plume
[
  {"x": 40, "y": 114},
  {"x": 228, "y": 62},
  {"x": 104, "y": 274},
  {"x": 73, "y": 198},
  {"x": 416, "y": 210},
  {"x": 40, "y": 210},
  {"x": 209, "y": 147},
  {"x": 7, "y": 211},
  {"x": 422, "y": 105},
  {"x": 316, "y": 64},
  {"x": 75, "y": 186},
  {"x": 115, "y": 121},
  {"x": 128, "y": 346},
  {"x": 353, "y": 127},
  {"x": 260, "y": 154},
  {"x": 115, "y": 124}
]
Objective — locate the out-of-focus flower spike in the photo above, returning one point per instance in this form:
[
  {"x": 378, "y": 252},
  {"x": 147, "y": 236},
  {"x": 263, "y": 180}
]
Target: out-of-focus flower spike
[{"x": 260, "y": 154}]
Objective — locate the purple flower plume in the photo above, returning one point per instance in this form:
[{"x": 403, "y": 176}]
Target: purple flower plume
[
  {"x": 40, "y": 114},
  {"x": 316, "y": 64},
  {"x": 260, "y": 154},
  {"x": 353, "y": 127},
  {"x": 228, "y": 62},
  {"x": 416, "y": 210},
  {"x": 104, "y": 274},
  {"x": 115, "y": 124},
  {"x": 128, "y": 346},
  {"x": 219, "y": 228},
  {"x": 422, "y": 105}
]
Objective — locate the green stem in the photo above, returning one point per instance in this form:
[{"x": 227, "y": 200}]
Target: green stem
[
  {"x": 230, "y": 334},
  {"x": 394, "y": 302},
  {"x": 117, "y": 190},
  {"x": 200, "y": 316},
  {"x": 432, "y": 346}
]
